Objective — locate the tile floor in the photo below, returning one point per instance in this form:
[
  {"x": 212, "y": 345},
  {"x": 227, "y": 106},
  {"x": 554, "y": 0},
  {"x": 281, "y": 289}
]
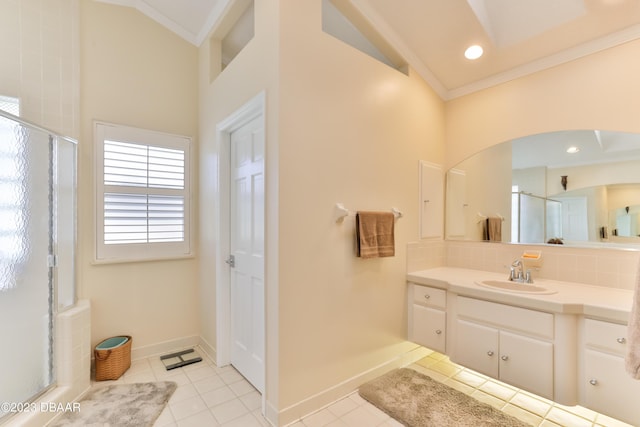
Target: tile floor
[{"x": 211, "y": 396}]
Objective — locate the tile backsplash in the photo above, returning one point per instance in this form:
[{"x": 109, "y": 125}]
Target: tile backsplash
[{"x": 615, "y": 268}]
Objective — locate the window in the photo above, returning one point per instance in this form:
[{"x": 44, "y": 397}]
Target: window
[{"x": 143, "y": 194}]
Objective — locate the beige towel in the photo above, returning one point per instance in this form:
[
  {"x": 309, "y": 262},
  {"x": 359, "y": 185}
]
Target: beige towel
[
  {"x": 494, "y": 229},
  {"x": 632, "y": 359},
  {"x": 374, "y": 234}
]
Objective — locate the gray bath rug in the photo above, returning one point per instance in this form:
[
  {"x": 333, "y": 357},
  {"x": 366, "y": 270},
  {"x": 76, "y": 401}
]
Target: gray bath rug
[
  {"x": 416, "y": 400},
  {"x": 120, "y": 405}
]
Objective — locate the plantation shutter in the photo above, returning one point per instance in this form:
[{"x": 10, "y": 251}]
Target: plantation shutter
[{"x": 143, "y": 194}]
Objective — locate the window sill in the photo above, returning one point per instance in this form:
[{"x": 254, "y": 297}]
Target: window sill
[{"x": 141, "y": 259}]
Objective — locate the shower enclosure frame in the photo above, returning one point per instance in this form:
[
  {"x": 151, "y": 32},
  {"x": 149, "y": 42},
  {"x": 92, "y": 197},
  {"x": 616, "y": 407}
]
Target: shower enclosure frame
[{"x": 61, "y": 250}]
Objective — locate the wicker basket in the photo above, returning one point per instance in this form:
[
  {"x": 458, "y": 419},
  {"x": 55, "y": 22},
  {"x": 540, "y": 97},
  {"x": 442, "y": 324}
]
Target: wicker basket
[{"x": 111, "y": 363}]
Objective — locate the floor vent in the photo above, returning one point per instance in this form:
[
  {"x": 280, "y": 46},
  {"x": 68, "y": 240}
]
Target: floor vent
[{"x": 180, "y": 359}]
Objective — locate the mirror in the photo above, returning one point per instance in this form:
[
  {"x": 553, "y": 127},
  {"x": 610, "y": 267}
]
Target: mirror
[{"x": 579, "y": 188}]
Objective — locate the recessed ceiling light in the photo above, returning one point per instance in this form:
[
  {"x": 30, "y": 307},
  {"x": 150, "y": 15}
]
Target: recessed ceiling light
[
  {"x": 473, "y": 52},
  {"x": 573, "y": 149}
]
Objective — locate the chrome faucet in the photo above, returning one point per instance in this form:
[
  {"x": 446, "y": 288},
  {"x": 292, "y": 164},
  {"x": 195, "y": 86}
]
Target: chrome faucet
[{"x": 517, "y": 273}]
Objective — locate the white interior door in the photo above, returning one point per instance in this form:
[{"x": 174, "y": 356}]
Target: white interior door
[
  {"x": 247, "y": 251},
  {"x": 574, "y": 219}
]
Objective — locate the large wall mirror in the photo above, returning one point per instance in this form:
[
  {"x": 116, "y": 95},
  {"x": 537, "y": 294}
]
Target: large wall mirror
[{"x": 579, "y": 188}]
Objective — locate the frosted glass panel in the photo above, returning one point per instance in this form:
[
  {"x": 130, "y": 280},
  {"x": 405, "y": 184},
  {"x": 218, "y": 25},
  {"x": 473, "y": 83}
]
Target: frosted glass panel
[
  {"x": 554, "y": 219},
  {"x": 531, "y": 219},
  {"x": 25, "y": 297}
]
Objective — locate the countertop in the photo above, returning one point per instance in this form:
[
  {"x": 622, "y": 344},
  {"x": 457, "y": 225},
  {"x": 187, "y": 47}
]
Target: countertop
[{"x": 600, "y": 302}]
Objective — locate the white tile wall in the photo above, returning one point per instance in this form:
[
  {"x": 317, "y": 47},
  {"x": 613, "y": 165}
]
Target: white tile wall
[
  {"x": 40, "y": 61},
  {"x": 608, "y": 267}
]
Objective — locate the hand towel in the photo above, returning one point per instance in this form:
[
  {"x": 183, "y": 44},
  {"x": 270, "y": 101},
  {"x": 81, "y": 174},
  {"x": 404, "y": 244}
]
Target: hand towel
[
  {"x": 494, "y": 229},
  {"x": 374, "y": 234},
  {"x": 632, "y": 358}
]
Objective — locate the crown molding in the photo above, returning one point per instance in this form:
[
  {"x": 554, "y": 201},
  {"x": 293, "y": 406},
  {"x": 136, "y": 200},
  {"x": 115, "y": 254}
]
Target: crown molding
[{"x": 576, "y": 52}]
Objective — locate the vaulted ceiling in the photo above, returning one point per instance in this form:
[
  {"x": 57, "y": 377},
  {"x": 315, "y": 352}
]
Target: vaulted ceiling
[{"x": 518, "y": 36}]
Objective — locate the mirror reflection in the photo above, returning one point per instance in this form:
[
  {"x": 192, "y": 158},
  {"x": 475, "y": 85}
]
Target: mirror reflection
[{"x": 579, "y": 188}]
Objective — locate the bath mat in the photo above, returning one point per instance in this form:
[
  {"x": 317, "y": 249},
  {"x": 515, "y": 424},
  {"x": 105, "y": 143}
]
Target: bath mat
[
  {"x": 180, "y": 359},
  {"x": 416, "y": 400},
  {"x": 122, "y": 405}
]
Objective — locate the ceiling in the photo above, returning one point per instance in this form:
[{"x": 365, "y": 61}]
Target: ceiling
[
  {"x": 594, "y": 146},
  {"x": 518, "y": 36}
]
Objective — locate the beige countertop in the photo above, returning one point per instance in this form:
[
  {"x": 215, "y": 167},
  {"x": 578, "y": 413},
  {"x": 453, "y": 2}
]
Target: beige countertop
[{"x": 600, "y": 302}]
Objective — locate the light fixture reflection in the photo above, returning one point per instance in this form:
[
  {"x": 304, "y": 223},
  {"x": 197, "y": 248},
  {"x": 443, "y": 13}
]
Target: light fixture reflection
[
  {"x": 573, "y": 149},
  {"x": 473, "y": 52}
]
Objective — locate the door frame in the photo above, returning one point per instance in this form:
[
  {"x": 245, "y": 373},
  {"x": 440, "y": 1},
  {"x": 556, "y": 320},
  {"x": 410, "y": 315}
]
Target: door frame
[{"x": 255, "y": 107}]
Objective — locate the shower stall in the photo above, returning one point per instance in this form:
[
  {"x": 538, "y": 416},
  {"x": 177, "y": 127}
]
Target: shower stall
[
  {"x": 535, "y": 219},
  {"x": 37, "y": 256}
]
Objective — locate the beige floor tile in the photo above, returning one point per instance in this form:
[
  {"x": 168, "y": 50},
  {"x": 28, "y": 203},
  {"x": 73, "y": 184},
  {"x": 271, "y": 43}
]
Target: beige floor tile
[
  {"x": 547, "y": 423},
  {"x": 432, "y": 374},
  {"x": 567, "y": 419},
  {"x": 499, "y": 390},
  {"x": 488, "y": 399},
  {"x": 447, "y": 369},
  {"x": 470, "y": 378},
  {"x": 461, "y": 387},
  {"x": 581, "y": 411},
  {"x": 522, "y": 415},
  {"x": 606, "y": 421},
  {"x": 531, "y": 404}
]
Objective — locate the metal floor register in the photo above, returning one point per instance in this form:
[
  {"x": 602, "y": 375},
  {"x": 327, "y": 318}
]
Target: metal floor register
[{"x": 180, "y": 359}]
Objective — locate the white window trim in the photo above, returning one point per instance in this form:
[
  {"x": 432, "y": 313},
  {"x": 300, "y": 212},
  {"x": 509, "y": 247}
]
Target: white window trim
[{"x": 134, "y": 252}]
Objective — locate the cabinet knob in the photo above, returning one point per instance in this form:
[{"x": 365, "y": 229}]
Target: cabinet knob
[
  {"x": 438, "y": 331},
  {"x": 489, "y": 353},
  {"x": 505, "y": 358},
  {"x": 427, "y": 296},
  {"x": 593, "y": 381},
  {"x": 621, "y": 340}
]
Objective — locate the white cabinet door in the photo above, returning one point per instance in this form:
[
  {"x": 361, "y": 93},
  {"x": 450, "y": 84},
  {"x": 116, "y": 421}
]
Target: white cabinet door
[
  {"x": 477, "y": 347},
  {"x": 429, "y": 327},
  {"x": 527, "y": 363},
  {"x": 609, "y": 389},
  {"x": 431, "y": 200}
]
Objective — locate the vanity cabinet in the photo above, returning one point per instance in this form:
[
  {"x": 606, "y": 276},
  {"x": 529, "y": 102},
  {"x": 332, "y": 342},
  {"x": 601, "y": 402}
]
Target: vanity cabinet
[
  {"x": 512, "y": 344},
  {"x": 427, "y": 324},
  {"x": 606, "y": 386}
]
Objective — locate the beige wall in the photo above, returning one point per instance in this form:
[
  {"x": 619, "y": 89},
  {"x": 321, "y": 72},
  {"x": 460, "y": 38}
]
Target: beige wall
[
  {"x": 136, "y": 73},
  {"x": 352, "y": 131},
  {"x": 596, "y": 92}
]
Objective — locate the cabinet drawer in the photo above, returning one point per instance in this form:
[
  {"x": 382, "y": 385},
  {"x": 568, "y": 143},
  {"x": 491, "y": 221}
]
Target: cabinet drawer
[
  {"x": 429, "y": 296},
  {"x": 507, "y": 317},
  {"x": 606, "y": 335}
]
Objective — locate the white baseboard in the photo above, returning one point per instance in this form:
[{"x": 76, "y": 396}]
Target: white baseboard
[
  {"x": 332, "y": 394},
  {"x": 164, "y": 347},
  {"x": 208, "y": 349}
]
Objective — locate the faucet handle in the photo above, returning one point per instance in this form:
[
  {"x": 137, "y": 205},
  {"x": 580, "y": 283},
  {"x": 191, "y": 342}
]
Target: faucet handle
[{"x": 528, "y": 278}]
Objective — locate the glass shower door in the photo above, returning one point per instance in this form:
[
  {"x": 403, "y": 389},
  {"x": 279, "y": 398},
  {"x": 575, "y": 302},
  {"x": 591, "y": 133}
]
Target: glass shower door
[{"x": 26, "y": 224}]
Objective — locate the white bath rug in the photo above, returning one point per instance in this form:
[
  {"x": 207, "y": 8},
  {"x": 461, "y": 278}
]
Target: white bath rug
[{"x": 121, "y": 405}]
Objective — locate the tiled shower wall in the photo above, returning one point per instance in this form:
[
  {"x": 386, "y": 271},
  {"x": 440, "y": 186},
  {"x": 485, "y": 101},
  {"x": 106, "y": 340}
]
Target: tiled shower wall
[
  {"x": 610, "y": 267},
  {"x": 39, "y": 61}
]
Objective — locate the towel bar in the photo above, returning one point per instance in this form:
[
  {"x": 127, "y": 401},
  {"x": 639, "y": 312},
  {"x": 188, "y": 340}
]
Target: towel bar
[{"x": 341, "y": 212}]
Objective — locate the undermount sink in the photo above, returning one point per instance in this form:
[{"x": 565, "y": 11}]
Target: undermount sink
[{"x": 516, "y": 287}]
